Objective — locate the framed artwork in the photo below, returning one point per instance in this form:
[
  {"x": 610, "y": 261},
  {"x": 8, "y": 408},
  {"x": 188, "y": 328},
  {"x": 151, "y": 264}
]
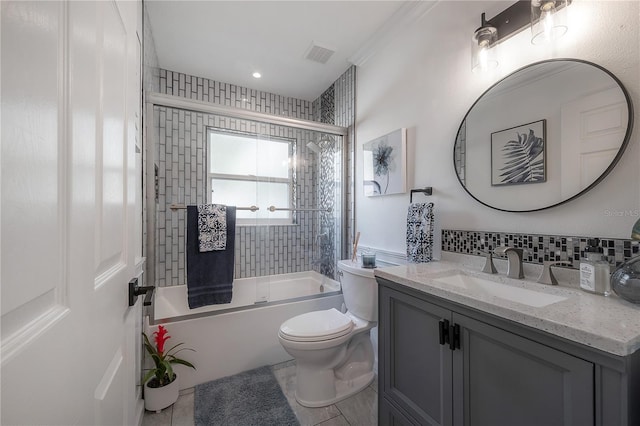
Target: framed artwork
[
  {"x": 385, "y": 164},
  {"x": 518, "y": 154}
]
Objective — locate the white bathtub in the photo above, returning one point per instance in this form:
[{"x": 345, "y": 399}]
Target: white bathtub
[{"x": 243, "y": 334}]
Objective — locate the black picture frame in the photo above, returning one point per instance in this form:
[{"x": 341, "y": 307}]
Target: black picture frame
[{"x": 518, "y": 154}]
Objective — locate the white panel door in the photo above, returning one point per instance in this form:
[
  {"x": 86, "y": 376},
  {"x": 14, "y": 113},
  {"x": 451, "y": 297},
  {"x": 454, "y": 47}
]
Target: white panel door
[
  {"x": 69, "y": 86},
  {"x": 592, "y": 129}
]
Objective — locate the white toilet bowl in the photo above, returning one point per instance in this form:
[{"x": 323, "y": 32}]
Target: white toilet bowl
[{"x": 333, "y": 351}]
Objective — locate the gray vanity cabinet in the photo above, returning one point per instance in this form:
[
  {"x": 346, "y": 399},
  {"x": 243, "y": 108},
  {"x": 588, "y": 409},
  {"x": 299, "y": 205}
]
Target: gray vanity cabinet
[
  {"x": 443, "y": 364},
  {"x": 415, "y": 370},
  {"x": 501, "y": 378}
]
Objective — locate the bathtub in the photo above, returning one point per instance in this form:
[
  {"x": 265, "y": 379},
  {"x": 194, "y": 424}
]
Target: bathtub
[{"x": 243, "y": 334}]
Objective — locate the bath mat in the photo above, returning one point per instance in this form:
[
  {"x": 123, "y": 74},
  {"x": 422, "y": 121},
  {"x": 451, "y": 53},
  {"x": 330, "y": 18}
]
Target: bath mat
[{"x": 250, "y": 398}]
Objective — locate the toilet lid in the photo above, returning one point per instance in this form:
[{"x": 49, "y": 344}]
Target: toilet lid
[{"x": 317, "y": 325}]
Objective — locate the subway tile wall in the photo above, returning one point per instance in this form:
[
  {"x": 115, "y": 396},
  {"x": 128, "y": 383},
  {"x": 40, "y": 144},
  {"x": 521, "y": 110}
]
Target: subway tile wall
[
  {"x": 206, "y": 90},
  {"x": 536, "y": 247},
  {"x": 260, "y": 250}
]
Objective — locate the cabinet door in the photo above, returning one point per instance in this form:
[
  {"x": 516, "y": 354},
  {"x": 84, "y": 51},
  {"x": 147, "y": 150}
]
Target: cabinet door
[
  {"x": 416, "y": 369},
  {"x": 389, "y": 416},
  {"x": 500, "y": 378}
]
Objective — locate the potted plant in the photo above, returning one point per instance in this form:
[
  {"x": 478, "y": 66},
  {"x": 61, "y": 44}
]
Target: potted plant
[{"x": 161, "y": 383}]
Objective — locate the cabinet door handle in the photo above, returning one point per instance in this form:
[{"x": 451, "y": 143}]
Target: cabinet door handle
[
  {"x": 443, "y": 329},
  {"x": 454, "y": 337}
]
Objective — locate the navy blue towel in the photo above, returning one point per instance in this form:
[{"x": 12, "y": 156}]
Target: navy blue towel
[{"x": 209, "y": 274}]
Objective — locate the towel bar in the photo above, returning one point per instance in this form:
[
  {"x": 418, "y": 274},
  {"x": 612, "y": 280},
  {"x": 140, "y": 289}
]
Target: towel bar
[
  {"x": 274, "y": 208},
  {"x": 426, "y": 191},
  {"x": 182, "y": 207},
  {"x": 256, "y": 208}
]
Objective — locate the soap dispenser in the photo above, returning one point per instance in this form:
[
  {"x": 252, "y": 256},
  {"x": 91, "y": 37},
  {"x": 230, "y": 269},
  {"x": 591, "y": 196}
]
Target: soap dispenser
[{"x": 594, "y": 270}]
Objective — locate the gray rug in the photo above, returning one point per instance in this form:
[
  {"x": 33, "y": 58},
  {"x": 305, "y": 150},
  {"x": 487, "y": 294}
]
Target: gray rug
[{"x": 250, "y": 398}]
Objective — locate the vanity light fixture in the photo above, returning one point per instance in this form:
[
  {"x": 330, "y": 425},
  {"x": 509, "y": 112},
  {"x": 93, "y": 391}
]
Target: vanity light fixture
[
  {"x": 548, "y": 21},
  {"x": 483, "y": 53},
  {"x": 543, "y": 16}
]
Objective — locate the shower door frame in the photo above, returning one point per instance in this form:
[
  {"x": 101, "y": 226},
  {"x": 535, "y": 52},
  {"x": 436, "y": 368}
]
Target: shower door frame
[{"x": 159, "y": 99}]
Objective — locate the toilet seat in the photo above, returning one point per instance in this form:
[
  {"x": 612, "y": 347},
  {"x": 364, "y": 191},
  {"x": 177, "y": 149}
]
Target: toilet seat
[{"x": 317, "y": 326}]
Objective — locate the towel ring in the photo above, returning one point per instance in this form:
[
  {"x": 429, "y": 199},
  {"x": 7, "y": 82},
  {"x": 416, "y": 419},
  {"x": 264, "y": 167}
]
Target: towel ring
[{"x": 426, "y": 191}]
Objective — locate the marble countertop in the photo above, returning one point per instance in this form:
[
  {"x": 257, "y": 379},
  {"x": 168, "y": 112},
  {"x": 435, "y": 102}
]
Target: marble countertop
[{"x": 609, "y": 323}]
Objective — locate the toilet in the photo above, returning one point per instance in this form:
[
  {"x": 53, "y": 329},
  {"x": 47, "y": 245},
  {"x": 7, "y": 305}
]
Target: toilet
[{"x": 333, "y": 351}]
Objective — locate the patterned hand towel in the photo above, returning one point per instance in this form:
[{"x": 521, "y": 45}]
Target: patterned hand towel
[
  {"x": 420, "y": 232},
  {"x": 209, "y": 274},
  {"x": 212, "y": 227}
]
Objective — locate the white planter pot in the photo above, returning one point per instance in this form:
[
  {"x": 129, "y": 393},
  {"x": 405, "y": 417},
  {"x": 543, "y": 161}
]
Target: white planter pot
[{"x": 156, "y": 399}]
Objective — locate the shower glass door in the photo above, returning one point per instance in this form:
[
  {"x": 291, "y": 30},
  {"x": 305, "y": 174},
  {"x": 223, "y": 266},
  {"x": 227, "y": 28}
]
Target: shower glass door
[
  {"x": 295, "y": 178},
  {"x": 276, "y": 177},
  {"x": 203, "y": 157},
  {"x": 311, "y": 240}
]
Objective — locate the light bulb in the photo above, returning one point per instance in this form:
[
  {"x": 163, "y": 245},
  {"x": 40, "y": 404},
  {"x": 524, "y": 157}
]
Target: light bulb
[
  {"x": 547, "y": 20},
  {"x": 483, "y": 58},
  {"x": 483, "y": 52},
  {"x": 546, "y": 24}
]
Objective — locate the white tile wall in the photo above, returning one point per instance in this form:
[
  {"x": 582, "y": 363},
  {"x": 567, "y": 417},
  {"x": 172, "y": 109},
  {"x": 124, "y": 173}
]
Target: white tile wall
[
  {"x": 206, "y": 90},
  {"x": 260, "y": 250}
]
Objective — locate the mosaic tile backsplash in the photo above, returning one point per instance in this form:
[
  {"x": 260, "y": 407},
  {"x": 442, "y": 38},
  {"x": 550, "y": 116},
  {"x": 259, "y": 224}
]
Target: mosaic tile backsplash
[{"x": 538, "y": 248}]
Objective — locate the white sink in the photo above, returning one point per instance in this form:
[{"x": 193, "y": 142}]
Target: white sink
[{"x": 524, "y": 296}]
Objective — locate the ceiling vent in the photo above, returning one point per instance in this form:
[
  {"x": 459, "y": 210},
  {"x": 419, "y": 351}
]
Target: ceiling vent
[{"x": 318, "y": 53}]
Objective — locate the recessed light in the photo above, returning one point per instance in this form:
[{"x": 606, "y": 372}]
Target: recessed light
[{"x": 256, "y": 75}]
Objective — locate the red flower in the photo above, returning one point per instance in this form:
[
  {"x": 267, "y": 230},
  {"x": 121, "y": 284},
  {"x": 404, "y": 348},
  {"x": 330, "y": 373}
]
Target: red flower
[
  {"x": 163, "y": 373},
  {"x": 161, "y": 337}
]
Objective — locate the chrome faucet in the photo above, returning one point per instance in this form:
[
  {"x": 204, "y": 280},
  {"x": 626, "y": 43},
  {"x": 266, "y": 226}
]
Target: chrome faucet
[{"x": 514, "y": 256}]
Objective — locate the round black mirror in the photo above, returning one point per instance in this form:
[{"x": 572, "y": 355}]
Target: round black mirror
[{"x": 543, "y": 135}]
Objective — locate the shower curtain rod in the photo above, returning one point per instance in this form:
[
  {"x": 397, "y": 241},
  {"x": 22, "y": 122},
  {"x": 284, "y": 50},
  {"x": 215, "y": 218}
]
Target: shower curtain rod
[{"x": 162, "y": 99}]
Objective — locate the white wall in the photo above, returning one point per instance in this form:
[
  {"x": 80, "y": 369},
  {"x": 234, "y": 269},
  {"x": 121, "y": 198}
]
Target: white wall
[{"x": 423, "y": 81}]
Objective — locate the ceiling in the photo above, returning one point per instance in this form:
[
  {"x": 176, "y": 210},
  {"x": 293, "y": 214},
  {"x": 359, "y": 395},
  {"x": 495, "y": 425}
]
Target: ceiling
[{"x": 228, "y": 40}]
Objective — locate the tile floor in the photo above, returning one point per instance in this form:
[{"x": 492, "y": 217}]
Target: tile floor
[{"x": 359, "y": 410}]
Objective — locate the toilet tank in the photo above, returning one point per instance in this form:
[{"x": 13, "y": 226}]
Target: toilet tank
[{"x": 360, "y": 290}]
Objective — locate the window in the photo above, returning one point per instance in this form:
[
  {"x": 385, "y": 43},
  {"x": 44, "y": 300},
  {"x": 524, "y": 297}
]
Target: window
[{"x": 246, "y": 170}]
